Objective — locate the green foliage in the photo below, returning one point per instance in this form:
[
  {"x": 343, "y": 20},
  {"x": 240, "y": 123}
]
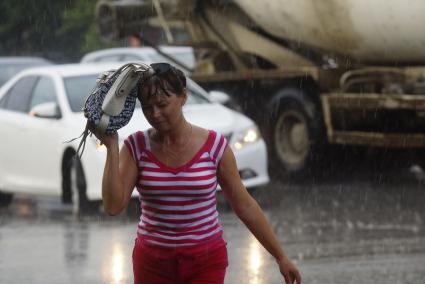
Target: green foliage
[{"x": 61, "y": 30}]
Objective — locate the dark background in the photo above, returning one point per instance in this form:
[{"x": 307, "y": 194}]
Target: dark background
[{"x": 59, "y": 30}]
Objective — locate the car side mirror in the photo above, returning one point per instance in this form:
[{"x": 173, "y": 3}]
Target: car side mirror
[
  {"x": 218, "y": 97},
  {"x": 46, "y": 110}
]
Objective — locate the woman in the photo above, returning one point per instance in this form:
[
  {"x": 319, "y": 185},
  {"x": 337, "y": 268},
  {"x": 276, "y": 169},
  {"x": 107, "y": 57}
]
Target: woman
[{"x": 176, "y": 166}]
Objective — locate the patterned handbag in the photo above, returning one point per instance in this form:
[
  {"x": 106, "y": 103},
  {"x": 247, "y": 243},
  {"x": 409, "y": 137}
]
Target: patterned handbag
[{"x": 111, "y": 104}]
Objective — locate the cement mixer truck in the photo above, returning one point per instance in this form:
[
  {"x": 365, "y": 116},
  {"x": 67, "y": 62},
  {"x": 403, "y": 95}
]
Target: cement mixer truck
[{"x": 311, "y": 73}]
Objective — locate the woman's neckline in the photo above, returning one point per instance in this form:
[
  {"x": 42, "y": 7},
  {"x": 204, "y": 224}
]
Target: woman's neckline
[{"x": 177, "y": 169}]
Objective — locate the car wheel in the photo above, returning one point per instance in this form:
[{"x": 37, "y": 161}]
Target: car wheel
[
  {"x": 78, "y": 187},
  {"x": 5, "y": 199},
  {"x": 291, "y": 138}
]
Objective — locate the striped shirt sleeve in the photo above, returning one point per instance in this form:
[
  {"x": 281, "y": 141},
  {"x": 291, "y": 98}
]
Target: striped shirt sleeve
[
  {"x": 218, "y": 147},
  {"x": 134, "y": 144}
]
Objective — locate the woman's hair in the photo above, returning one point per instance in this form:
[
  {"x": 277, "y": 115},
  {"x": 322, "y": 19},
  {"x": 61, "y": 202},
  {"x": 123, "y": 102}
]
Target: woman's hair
[{"x": 166, "y": 78}]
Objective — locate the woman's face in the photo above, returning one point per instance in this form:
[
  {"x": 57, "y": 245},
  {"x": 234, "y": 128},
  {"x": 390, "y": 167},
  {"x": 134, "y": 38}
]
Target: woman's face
[{"x": 162, "y": 107}]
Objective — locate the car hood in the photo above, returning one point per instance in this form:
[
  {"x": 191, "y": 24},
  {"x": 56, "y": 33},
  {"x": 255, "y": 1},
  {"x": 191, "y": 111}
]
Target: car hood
[{"x": 210, "y": 116}]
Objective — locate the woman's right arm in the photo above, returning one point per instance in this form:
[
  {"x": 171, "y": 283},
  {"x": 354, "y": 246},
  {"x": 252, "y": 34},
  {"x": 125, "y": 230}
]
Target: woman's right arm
[{"x": 119, "y": 176}]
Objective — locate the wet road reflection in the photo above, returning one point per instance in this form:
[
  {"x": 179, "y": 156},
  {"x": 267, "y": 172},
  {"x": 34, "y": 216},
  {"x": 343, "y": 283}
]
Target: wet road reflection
[
  {"x": 355, "y": 227},
  {"x": 114, "y": 267},
  {"x": 255, "y": 261}
]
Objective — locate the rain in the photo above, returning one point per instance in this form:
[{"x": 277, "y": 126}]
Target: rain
[{"x": 321, "y": 104}]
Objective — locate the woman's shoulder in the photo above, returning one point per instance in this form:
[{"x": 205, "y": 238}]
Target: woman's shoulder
[
  {"x": 205, "y": 131},
  {"x": 136, "y": 139},
  {"x": 202, "y": 133},
  {"x": 137, "y": 134},
  {"x": 206, "y": 134}
]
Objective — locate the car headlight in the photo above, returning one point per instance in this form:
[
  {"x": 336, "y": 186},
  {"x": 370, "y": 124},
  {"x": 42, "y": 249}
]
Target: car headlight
[{"x": 248, "y": 136}]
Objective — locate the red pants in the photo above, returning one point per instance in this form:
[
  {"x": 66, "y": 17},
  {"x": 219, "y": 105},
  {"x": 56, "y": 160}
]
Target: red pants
[{"x": 156, "y": 265}]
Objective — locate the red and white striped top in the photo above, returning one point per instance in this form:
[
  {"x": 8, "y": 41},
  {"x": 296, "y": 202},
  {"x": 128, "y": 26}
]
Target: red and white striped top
[{"x": 179, "y": 206}]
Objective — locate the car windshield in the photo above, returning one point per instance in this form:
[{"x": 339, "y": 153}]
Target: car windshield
[
  {"x": 196, "y": 95},
  {"x": 79, "y": 87}
]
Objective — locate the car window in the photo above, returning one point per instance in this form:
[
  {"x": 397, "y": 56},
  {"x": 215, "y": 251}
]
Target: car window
[
  {"x": 196, "y": 91},
  {"x": 18, "y": 97},
  {"x": 78, "y": 88},
  {"x": 44, "y": 92}
]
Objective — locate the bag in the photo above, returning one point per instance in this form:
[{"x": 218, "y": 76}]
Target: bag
[{"x": 111, "y": 104}]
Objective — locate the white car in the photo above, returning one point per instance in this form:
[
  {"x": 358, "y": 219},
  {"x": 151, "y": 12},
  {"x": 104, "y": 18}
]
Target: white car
[
  {"x": 40, "y": 109},
  {"x": 180, "y": 54}
]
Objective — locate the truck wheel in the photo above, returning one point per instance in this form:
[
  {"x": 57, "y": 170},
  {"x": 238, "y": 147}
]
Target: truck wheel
[
  {"x": 5, "y": 199},
  {"x": 294, "y": 129},
  {"x": 291, "y": 138}
]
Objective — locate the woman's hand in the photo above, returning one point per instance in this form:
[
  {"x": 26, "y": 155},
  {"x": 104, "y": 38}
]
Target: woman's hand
[
  {"x": 105, "y": 139},
  {"x": 289, "y": 271}
]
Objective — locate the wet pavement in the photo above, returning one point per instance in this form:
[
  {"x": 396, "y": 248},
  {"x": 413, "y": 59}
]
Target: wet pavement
[{"x": 363, "y": 225}]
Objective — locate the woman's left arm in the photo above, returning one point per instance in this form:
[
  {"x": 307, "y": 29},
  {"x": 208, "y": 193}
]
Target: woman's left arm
[{"x": 250, "y": 213}]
